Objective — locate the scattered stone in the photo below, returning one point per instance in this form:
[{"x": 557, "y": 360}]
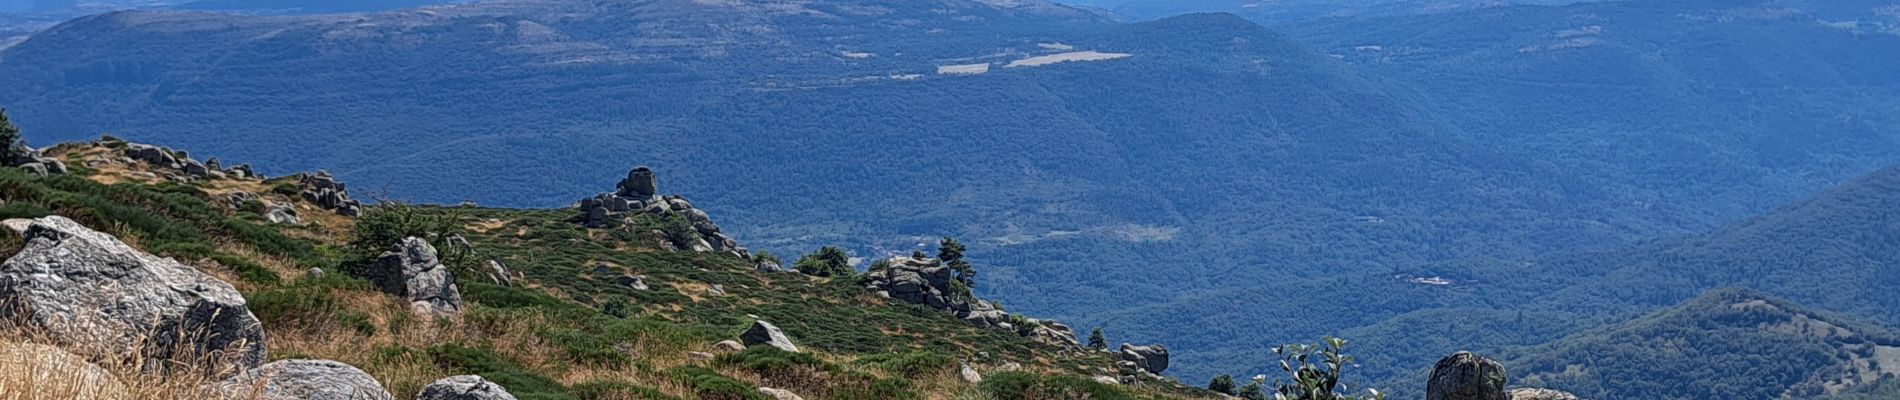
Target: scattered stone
[
  {"x": 728, "y": 346},
  {"x": 498, "y": 273},
  {"x": 305, "y": 380},
  {"x": 238, "y": 198},
  {"x": 281, "y": 214},
  {"x": 969, "y": 375},
  {"x": 413, "y": 271},
  {"x": 716, "y": 290},
  {"x": 635, "y": 282},
  {"x": 1539, "y": 394},
  {"x": 764, "y": 333},
  {"x": 1107, "y": 380},
  {"x": 769, "y": 266},
  {"x": 1153, "y": 358},
  {"x": 464, "y": 387},
  {"x": 314, "y": 273},
  {"x": 779, "y": 394},
  {"x": 92, "y": 292},
  {"x": 460, "y": 243},
  {"x": 1011, "y": 366},
  {"x": 1466, "y": 376}
]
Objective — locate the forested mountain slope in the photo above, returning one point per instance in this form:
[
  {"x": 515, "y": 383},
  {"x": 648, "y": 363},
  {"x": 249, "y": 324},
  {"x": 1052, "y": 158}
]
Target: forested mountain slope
[
  {"x": 1725, "y": 344},
  {"x": 1833, "y": 251},
  {"x": 1198, "y": 171}
]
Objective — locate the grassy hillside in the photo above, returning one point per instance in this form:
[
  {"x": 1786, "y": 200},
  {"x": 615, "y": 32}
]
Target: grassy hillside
[{"x": 563, "y": 330}]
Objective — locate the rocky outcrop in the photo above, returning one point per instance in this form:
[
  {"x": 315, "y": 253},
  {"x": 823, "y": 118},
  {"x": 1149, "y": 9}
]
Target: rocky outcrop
[
  {"x": 177, "y": 162},
  {"x": 304, "y": 380},
  {"x": 34, "y": 162},
  {"x": 1466, "y": 376},
  {"x": 928, "y": 282},
  {"x": 1054, "y": 334},
  {"x": 764, "y": 333},
  {"x": 1152, "y": 358},
  {"x": 917, "y": 280},
  {"x": 728, "y": 346},
  {"x": 413, "y": 271},
  {"x": 325, "y": 192},
  {"x": 637, "y": 195},
  {"x": 101, "y": 298},
  {"x": 464, "y": 387}
]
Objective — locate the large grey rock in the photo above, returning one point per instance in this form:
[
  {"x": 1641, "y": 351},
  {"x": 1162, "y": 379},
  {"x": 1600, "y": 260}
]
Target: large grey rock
[
  {"x": 305, "y": 380},
  {"x": 464, "y": 387},
  {"x": 1466, "y": 376},
  {"x": 100, "y": 298},
  {"x": 640, "y": 184},
  {"x": 1151, "y": 358},
  {"x": 413, "y": 271},
  {"x": 1538, "y": 394},
  {"x": 764, "y": 333}
]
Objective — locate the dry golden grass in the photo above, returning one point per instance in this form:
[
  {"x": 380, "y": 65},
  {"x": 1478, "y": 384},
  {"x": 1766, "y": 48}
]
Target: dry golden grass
[{"x": 34, "y": 367}]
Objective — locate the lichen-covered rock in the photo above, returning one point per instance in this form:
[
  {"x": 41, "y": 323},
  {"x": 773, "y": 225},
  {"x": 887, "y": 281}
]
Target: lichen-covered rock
[
  {"x": 101, "y": 298},
  {"x": 413, "y": 271},
  {"x": 1466, "y": 376},
  {"x": 1152, "y": 358},
  {"x": 728, "y": 346},
  {"x": 464, "y": 387},
  {"x": 764, "y": 333},
  {"x": 304, "y": 380}
]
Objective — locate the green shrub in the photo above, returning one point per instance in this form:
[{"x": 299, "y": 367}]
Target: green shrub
[
  {"x": 604, "y": 390},
  {"x": 912, "y": 365},
  {"x": 1029, "y": 386},
  {"x": 710, "y": 385}
]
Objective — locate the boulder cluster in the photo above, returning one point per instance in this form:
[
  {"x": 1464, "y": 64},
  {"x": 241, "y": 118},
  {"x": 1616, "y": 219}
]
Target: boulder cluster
[
  {"x": 928, "y": 282},
  {"x": 101, "y": 300},
  {"x": 637, "y": 195},
  {"x": 33, "y": 161},
  {"x": 1466, "y": 376},
  {"x": 324, "y": 191},
  {"x": 186, "y": 168}
]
